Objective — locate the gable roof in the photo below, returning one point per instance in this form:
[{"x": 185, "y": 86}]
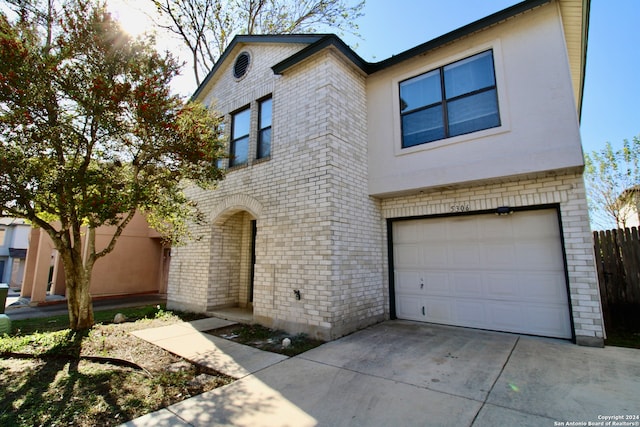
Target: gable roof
[
  {"x": 246, "y": 39},
  {"x": 575, "y": 15}
]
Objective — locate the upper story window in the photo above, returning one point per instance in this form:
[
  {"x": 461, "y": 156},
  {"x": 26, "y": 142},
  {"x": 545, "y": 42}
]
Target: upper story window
[
  {"x": 239, "y": 145},
  {"x": 264, "y": 129},
  {"x": 456, "y": 99}
]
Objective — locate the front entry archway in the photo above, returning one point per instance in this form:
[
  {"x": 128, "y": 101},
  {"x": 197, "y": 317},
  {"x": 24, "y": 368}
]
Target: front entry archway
[{"x": 233, "y": 259}]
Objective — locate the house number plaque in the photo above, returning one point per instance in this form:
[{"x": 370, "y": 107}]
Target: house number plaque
[{"x": 460, "y": 208}]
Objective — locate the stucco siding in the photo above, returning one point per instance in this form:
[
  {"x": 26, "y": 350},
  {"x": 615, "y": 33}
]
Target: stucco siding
[{"x": 539, "y": 126}]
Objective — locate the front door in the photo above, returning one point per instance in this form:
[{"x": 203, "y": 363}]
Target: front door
[{"x": 254, "y": 230}]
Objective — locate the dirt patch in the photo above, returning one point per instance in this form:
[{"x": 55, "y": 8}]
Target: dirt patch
[
  {"x": 57, "y": 385},
  {"x": 275, "y": 341}
]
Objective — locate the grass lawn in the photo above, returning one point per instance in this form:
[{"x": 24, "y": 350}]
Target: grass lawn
[
  {"x": 50, "y": 375},
  {"x": 623, "y": 338}
]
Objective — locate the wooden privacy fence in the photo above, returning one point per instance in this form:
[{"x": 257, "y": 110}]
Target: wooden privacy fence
[{"x": 618, "y": 262}]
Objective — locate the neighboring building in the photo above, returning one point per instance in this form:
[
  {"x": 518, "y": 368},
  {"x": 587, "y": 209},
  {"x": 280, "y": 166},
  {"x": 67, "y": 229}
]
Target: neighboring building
[
  {"x": 138, "y": 264},
  {"x": 630, "y": 209},
  {"x": 14, "y": 241},
  {"x": 443, "y": 184}
]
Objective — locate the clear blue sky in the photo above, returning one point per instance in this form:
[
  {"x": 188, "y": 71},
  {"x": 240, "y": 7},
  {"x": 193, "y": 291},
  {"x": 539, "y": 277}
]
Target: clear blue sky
[{"x": 611, "y": 100}]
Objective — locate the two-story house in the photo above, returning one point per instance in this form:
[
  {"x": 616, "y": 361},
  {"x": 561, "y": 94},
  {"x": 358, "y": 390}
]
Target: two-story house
[
  {"x": 443, "y": 184},
  {"x": 14, "y": 241}
]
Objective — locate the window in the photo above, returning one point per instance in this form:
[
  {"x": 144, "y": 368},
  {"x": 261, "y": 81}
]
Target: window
[
  {"x": 239, "y": 146},
  {"x": 453, "y": 100},
  {"x": 264, "y": 129}
]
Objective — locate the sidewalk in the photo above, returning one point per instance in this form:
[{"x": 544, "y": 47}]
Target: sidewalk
[{"x": 19, "y": 308}]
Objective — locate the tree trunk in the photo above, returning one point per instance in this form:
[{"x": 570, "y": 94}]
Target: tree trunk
[
  {"x": 78, "y": 297},
  {"x": 78, "y": 280},
  {"x": 79, "y": 302}
]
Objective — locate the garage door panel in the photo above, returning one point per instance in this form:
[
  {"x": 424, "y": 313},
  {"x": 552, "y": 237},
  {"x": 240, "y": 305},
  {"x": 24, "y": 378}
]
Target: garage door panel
[
  {"x": 467, "y": 285},
  {"x": 544, "y": 320},
  {"x": 541, "y": 254},
  {"x": 434, "y": 257},
  {"x": 535, "y": 225},
  {"x": 470, "y": 312},
  {"x": 409, "y": 308},
  {"x": 408, "y": 233},
  {"x": 463, "y": 229},
  {"x": 408, "y": 282},
  {"x": 500, "y": 286},
  {"x": 465, "y": 256},
  {"x": 486, "y": 271},
  {"x": 408, "y": 256},
  {"x": 437, "y": 283},
  {"x": 499, "y": 254},
  {"x": 547, "y": 287},
  {"x": 439, "y": 310},
  {"x": 495, "y": 226},
  {"x": 432, "y": 231}
]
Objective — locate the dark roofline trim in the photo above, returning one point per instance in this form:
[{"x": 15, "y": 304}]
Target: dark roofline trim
[
  {"x": 586, "y": 16},
  {"x": 466, "y": 30},
  {"x": 325, "y": 42},
  {"x": 267, "y": 38},
  {"x": 370, "y": 68},
  {"x": 318, "y": 42}
]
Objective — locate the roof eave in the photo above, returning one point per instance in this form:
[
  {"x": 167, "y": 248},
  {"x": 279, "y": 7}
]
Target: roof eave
[{"x": 459, "y": 33}]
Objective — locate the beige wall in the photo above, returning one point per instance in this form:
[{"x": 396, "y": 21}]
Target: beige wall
[
  {"x": 539, "y": 130},
  {"x": 134, "y": 266}
]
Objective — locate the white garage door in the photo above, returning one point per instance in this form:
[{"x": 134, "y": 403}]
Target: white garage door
[{"x": 503, "y": 273}]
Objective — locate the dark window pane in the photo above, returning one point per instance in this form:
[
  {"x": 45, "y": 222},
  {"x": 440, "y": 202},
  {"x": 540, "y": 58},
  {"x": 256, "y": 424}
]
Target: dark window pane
[
  {"x": 469, "y": 75},
  {"x": 473, "y": 113},
  {"x": 265, "y": 113},
  {"x": 241, "y": 122},
  {"x": 264, "y": 143},
  {"x": 420, "y": 91},
  {"x": 239, "y": 152},
  {"x": 422, "y": 126}
]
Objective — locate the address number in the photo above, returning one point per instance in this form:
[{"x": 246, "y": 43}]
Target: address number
[{"x": 460, "y": 208}]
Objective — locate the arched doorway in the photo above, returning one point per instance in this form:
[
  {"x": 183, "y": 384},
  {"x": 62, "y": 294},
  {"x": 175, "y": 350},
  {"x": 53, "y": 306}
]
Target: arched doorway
[{"x": 233, "y": 259}]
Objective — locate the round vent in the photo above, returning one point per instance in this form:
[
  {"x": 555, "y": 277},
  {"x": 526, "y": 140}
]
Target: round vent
[{"x": 241, "y": 65}]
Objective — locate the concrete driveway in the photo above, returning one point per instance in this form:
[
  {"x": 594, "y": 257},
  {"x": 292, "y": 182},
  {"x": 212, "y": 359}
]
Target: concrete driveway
[{"x": 409, "y": 374}]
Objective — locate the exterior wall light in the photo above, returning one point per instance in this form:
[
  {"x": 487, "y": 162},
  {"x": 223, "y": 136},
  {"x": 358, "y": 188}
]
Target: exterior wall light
[{"x": 504, "y": 210}]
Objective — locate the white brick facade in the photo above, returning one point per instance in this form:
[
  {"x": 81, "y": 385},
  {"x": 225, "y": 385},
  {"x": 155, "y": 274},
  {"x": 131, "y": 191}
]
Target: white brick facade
[
  {"x": 318, "y": 231},
  {"x": 319, "y": 234},
  {"x": 566, "y": 191}
]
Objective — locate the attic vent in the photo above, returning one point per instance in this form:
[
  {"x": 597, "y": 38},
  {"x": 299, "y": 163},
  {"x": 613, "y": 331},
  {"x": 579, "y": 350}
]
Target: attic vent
[{"x": 241, "y": 65}]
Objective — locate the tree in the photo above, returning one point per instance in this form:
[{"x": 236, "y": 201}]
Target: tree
[
  {"x": 612, "y": 177},
  {"x": 207, "y": 26},
  {"x": 90, "y": 134}
]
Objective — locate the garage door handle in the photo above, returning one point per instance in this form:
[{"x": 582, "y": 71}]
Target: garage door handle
[{"x": 423, "y": 310}]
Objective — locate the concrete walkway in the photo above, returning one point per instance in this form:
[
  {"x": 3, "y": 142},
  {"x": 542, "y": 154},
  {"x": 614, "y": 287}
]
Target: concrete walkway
[
  {"x": 402, "y": 373},
  {"x": 225, "y": 356},
  {"x": 18, "y": 308}
]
